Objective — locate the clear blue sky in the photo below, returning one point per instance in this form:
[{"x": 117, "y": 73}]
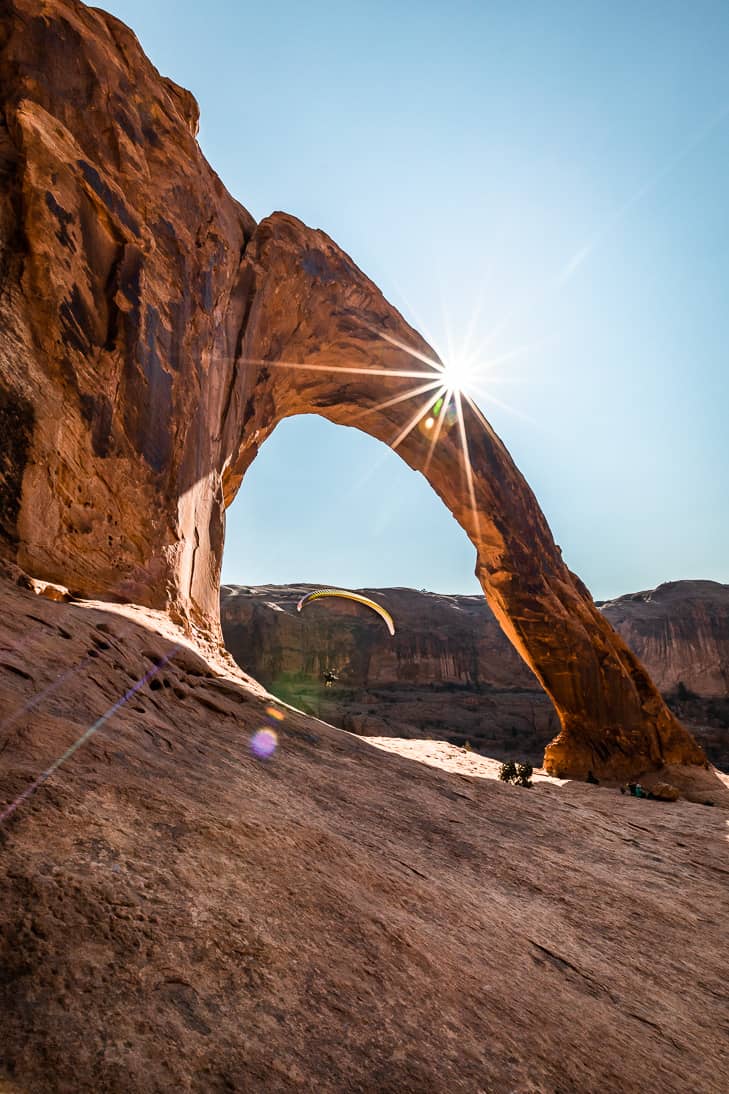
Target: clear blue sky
[{"x": 464, "y": 154}]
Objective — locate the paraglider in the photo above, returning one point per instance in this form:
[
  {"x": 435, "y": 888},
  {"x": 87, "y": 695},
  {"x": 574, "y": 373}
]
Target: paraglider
[{"x": 319, "y": 593}]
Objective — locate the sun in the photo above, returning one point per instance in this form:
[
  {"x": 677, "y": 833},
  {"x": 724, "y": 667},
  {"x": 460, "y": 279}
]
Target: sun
[
  {"x": 457, "y": 374},
  {"x": 444, "y": 385}
]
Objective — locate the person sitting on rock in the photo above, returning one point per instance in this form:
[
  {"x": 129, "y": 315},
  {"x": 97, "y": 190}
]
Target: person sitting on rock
[{"x": 634, "y": 789}]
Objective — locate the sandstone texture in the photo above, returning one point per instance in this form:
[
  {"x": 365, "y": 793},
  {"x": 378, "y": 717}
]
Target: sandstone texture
[
  {"x": 450, "y": 673},
  {"x": 176, "y": 915},
  {"x": 680, "y": 631},
  {"x": 147, "y": 331}
]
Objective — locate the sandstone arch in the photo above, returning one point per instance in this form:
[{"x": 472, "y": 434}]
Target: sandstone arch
[{"x": 135, "y": 292}]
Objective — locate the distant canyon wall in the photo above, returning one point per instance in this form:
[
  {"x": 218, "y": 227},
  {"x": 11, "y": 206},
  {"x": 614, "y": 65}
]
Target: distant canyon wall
[
  {"x": 680, "y": 631},
  {"x": 450, "y": 673}
]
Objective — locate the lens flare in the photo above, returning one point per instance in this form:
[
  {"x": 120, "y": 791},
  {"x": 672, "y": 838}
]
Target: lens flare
[
  {"x": 450, "y": 416},
  {"x": 87, "y": 735},
  {"x": 449, "y": 383},
  {"x": 264, "y": 743},
  {"x": 277, "y": 715},
  {"x": 41, "y": 695}
]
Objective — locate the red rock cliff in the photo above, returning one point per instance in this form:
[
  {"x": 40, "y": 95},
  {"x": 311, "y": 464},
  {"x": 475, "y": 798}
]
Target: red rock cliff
[
  {"x": 681, "y": 631},
  {"x": 143, "y": 313},
  {"x": 450, "y": 673}
]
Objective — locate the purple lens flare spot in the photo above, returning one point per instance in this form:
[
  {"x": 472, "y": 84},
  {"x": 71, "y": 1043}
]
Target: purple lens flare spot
[{"x": 264, "y": 743}]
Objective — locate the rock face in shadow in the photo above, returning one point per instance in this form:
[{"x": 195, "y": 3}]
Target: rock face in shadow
[
  {"x": 680, "y": 631},
  {"x": 122, "y": 305},
  {"x": 149, "y": 329}
]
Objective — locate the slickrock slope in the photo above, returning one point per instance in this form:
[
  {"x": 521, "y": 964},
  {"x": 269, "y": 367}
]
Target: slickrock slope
[
  {"x": 177, "y": 915},
  {"x": 146, "y": 335},
  {"x": 450, "y": 673}
]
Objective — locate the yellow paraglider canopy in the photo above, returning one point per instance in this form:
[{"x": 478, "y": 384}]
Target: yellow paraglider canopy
[{"x": 319, "y": 593}]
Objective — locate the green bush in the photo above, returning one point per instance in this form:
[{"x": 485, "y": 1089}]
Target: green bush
[
  {"x": 518, "y": 774},
  {"x": 524, "y": 774}
]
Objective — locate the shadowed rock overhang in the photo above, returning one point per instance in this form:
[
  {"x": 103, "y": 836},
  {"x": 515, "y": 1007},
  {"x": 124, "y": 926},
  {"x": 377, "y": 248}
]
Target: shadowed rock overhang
[{"x": 143, "y": 313}]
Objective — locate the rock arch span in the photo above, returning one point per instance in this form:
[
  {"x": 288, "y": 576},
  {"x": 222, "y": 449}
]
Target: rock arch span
[{"x": 143, "y": 316}]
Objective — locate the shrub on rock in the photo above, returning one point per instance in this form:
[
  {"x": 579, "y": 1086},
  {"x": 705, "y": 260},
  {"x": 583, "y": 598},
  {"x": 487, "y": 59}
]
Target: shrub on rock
[{"x": 518, "y": 774}]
